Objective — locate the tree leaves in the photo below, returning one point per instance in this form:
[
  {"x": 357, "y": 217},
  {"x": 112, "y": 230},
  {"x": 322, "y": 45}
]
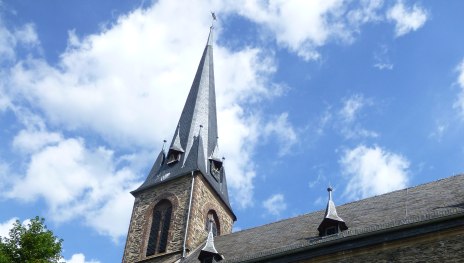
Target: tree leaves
[{"x": 33, "y": 243}]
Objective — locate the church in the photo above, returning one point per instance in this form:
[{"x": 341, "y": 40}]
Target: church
[{"x": 182, "y": 212}]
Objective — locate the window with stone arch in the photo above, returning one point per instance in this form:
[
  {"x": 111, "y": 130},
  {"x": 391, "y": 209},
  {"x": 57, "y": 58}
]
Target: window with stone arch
[
  {"x": 159, "y": 230},
  {"x": 212, "y": 218}
]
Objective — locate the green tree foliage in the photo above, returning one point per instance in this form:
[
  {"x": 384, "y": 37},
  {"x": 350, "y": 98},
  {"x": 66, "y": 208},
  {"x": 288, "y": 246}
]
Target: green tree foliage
[{"x": 32, "y": 243}]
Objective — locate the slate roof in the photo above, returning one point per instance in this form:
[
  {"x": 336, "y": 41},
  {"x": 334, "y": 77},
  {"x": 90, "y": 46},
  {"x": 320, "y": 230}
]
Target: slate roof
[
  {"x": 429, "y": 201},
  {"x": 196, "y": 134}
]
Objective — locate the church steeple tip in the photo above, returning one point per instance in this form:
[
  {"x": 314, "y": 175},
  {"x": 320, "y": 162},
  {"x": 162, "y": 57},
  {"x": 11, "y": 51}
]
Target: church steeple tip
[{"x": 210, "y": 37}]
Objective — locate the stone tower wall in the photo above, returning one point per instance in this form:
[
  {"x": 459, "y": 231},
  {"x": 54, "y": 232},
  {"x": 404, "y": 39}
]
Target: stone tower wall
[
  {"x": 178, "y": 193},
  {"x": 204, "y": 200}
]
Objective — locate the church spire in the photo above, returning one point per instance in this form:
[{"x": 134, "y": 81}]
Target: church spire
[{"x": 192, "y": 145}]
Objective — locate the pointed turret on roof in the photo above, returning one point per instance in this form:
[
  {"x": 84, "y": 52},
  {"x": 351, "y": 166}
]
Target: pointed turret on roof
[
  {"x": 332, "y": 223},
  {"x": 195, "y": 139},
  {"x": 209, "y": 253}
]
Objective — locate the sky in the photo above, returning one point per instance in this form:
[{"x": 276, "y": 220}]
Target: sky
[{"x": 364, "y": 96}]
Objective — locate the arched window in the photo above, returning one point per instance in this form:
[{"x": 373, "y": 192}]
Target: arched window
[
  {"x": 212, "y": 218},
  {"x": 159, "y": 228}
]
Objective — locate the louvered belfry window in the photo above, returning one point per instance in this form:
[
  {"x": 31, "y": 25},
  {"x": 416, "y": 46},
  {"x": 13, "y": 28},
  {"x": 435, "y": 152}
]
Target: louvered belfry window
[{"x": 159, "y": 230}]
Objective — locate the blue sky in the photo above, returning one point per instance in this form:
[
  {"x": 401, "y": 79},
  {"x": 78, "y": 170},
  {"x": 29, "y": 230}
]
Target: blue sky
[{"x": 367, "y": 96}]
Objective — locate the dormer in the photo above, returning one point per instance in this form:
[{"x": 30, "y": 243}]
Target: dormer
[
  {"x": 216, "y": 164},
  {"x": 175, "y": 151},
  {"x": 173, "y": 156},
  {"x": 332, "y": 223},
  {"x": 209, "y": 254}
]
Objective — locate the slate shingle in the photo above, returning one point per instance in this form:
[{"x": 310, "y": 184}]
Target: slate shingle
[{"x": 435, "y": 199}]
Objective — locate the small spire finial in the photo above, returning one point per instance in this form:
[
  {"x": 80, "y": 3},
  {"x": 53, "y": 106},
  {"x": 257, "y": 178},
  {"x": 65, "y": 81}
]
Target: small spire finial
[
  {"x": 330, "y": 189},
  {"x": 164, "y": 143}
]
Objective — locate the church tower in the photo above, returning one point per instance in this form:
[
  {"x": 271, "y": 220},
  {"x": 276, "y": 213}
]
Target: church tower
[{"x": 185, "y": 194}]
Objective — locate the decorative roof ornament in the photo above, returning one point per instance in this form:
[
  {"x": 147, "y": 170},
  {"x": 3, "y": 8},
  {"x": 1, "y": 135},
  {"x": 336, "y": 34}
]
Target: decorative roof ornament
[
  {"x": 164, "y": 144},
  {"x": 209, "y": 251},
  {"x": 332, "y": 223}
]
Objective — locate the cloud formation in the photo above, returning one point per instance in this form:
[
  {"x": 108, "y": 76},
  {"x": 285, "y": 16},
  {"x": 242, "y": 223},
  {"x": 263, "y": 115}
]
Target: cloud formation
[
  {"x": 280, "y": 127},
  {"x": 275, "y": 204},
  {"x": 406, "y": 19},
  {"x": 350, "y": 126},
  {"x": 79, "y": 183},
  {"x": 459, "y": 104},
  {"x": 373, "y": 171},
  {"x": 6, "y": 226},
  {"x": 79, "y": 258}
]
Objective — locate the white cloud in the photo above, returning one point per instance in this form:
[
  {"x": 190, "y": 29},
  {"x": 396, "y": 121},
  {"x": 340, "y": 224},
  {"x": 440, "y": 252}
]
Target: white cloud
[
  {"x": 30, "y": 141},
  {"x": 459, "y": 104},
  {"x": 79, "y": 258},
  {"x": 352, "y": 106},
  {"x": 303, "y": 26},
  {"x": 77, "y": 182},
  {"x": 4, "y": 173},
  {"x": 372, "y": 171},
  {"x": 4, "y": 100},
  {"x": 349, "y": 125},
  {"x": 381, "y": 58},
  {"x": 275, "y": 204},
  {"x": 407, "y": 19},
  {"x": 25, "y": 35},
  {"x": 440, "y": 130},
  {"x": 280, "y": 127},
  {"x": 382, "y": 66},
  {"x": 6, "y": 226},
  {"x": 369, "y": 12},
  {"x": 7, "y": 43}
]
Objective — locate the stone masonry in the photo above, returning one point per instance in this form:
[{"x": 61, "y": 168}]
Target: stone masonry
[
  {"x": 204, "y": 200},
  {"x": 177, "y": 192}
]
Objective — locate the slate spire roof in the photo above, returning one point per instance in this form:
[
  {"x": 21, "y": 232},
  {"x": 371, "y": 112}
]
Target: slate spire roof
[
  {"x": 331, "y": 218},
  {"x": 331, "y": 211},
  {"x": 209, "y": 251},
  {"x": 195, "y": 137}
]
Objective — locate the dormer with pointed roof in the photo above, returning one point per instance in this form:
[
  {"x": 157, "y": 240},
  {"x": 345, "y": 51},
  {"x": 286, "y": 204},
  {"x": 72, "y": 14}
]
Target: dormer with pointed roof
[
  {"x": 332, "y": 223},
  {"x": 208, "y": 253}
]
